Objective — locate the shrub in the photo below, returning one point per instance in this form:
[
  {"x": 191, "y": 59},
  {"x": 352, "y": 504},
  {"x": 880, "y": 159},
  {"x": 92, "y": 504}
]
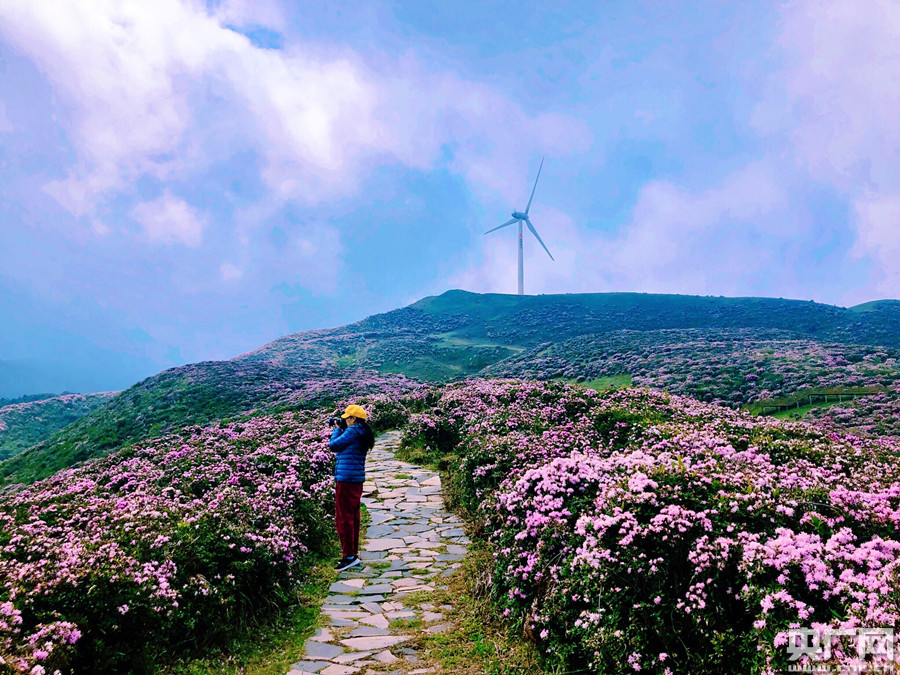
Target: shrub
[
  {"x": 666, "y": 534},
  {"x": 162, "y": 546}
]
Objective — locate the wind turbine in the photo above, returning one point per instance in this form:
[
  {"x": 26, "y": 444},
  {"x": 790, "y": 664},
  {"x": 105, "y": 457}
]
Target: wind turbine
[{"x": 519, "y": 217}]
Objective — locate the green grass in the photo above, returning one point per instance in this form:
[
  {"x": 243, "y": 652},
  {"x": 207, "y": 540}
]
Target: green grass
[
  {"x": 601, "y": 383},
  {"x": 348, "y": 360},
  {"x": 757, "y": 407},
  {"x": 403, "y": 624},
  {"x": 478, "y": 642},
  {"x": 796, "y": 414}
]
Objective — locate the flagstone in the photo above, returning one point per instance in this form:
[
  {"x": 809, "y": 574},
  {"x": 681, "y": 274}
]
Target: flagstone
[
  {"x": 346, "y": 586},
  {"x": 380, "y": 530},
  {"x": 383, "y": 544},
  {"x": 400, "y": 614},
  {"x": 335, "y": 669},
  {"x": 322, "y": 635},
  {"x": 375, "y": 589},
  {"x": 350, "y": 657},
  {"x": 341, "y": 599},
  {"x": 321, "y": 650},
  {"x": 376, "y": 620},
  {"x": 309, "y": 666},
  {"x": 371, "y": 555},
  {"x": 386, "y": 657},
  {"x": 339, "y": 613},
  {"x": 342, "y": 623},
  {"x": 374, "y": 642}
]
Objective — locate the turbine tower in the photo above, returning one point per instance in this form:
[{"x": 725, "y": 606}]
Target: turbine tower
[{"x": 519, "y": 217}]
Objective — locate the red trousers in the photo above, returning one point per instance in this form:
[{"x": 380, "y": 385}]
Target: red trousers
[{"x": 346, "y": 515}]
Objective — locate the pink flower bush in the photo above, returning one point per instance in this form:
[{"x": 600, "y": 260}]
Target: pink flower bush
[
  {"x": 732, "y": 367},
  {"x": 867, "y": 416},
  {"x": 165, "y": 539},
  {"x": 632, "y": 525}
]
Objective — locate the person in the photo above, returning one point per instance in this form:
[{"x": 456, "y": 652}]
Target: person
[{"x": 350, "y": 446}]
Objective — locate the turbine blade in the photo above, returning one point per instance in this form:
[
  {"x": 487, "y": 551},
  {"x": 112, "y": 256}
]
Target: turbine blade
[
  {"x": 508, "y": 222},
  {"x": 535, "y": 187},
  {"x": 538, "y": 237}
]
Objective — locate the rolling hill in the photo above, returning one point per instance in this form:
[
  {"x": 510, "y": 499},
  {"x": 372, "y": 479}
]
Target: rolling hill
[
  {"x": 729, "y": 350},
  {"x": 28, "y": 422},
  {"x": 196, "y": 394},
  {"x": 458, "y": 333}
]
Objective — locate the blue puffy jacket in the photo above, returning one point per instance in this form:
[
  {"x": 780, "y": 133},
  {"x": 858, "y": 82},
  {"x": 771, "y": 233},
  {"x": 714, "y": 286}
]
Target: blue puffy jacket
[{"x": 349, "y": 446}]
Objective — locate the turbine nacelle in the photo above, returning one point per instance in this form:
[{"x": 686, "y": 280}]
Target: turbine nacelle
[{"x": 518, "y": 215}]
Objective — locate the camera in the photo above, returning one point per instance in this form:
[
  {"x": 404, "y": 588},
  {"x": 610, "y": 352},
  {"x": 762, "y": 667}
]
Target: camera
[{"x": 340, "y": 421}]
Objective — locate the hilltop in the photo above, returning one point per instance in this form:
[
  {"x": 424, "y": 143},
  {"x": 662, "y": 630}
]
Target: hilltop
[{"x": 459, "y": 333}]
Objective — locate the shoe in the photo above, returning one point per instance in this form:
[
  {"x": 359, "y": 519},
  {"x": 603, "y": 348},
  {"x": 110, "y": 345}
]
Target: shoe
[{"x": 347, "y": 563}]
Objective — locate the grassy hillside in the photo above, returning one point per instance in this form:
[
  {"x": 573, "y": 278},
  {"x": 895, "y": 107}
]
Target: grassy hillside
[
  {"x": 196, "y": 394},
  {"x": 730, "y": 350},
  {"x": 29, "y": 422},
  {"x": 730, "y": 367},
  {"x": 458, "y": 333}
]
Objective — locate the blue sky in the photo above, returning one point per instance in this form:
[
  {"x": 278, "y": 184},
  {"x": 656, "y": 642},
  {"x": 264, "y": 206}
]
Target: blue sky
[{"x": 182, "y": 181}]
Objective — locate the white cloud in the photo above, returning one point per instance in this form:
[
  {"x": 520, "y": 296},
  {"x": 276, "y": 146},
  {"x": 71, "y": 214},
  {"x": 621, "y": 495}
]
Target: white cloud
[
  {"x": 878, "y": 237},
  {"x": 5, "y": 125},
  {"x": 842, "y": 63},
  {"x": 145, "y": 87},
  {"x": 313, "y": 258},
  {"x": 251, "y": 13},
  {"x": 230, "y": 272},
  {"x": 835, "y": 103},
  {"x": 170, "y": 220},
  {"x": 672, "y": 238}
]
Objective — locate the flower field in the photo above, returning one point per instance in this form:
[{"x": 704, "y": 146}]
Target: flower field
[
  {"x": 730, "y": 367},
  {"x": 160, "y": 547},
  {"x": 629, "y": 527},
  {"x": 870, "y": 416},
  {"x": 195, "y": 394},
  {"x": 639, "y": 532}
]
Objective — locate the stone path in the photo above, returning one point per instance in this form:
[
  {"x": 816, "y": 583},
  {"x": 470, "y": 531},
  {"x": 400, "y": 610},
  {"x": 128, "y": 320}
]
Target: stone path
[{"x": 411, "y": 544}]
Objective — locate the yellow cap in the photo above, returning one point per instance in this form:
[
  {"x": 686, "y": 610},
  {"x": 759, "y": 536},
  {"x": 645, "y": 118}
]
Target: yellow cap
[{"x": 355, "y": 411}]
